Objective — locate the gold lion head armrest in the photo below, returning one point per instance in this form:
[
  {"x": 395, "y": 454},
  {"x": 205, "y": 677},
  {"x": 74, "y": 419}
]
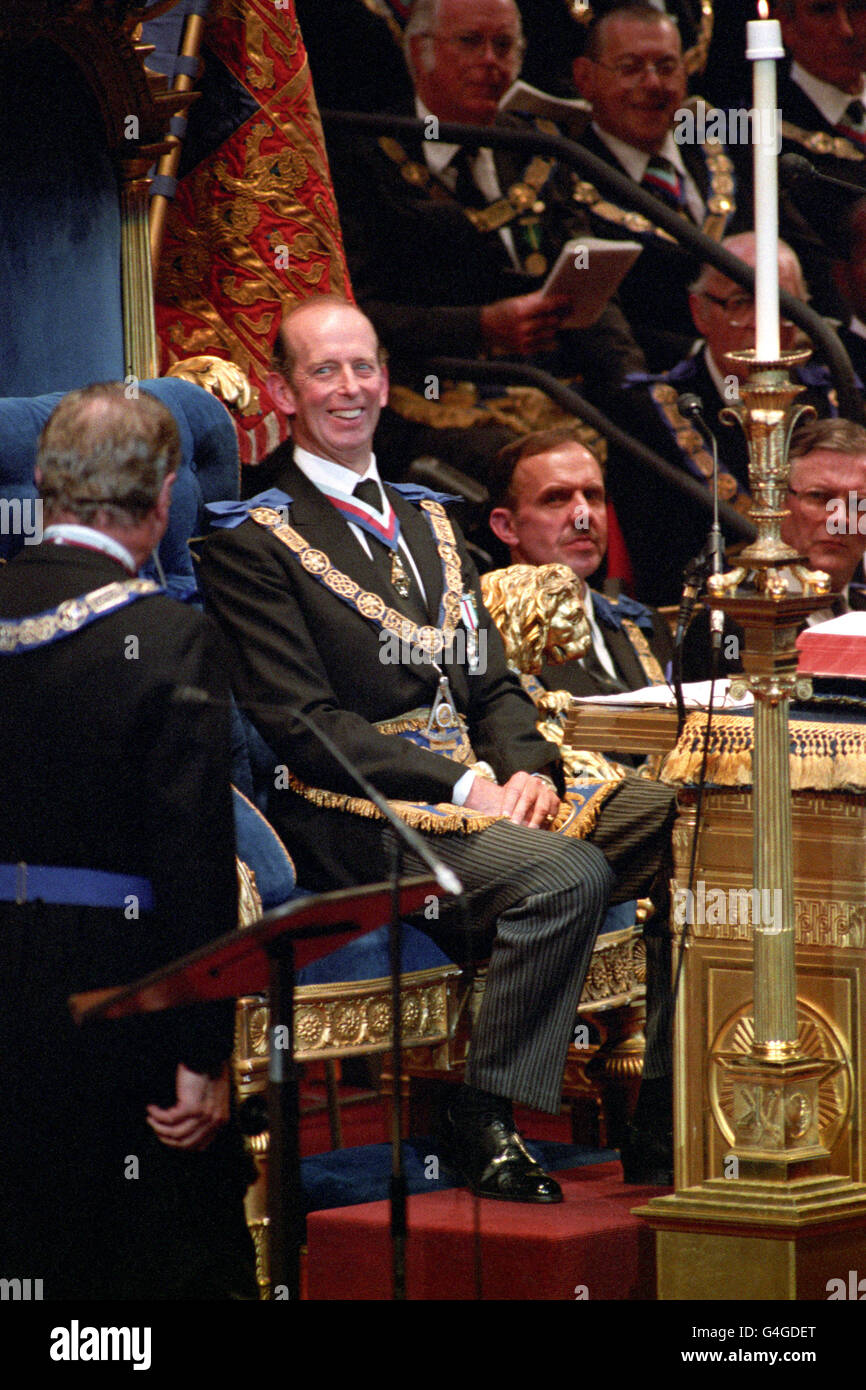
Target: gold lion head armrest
[{"x": 538, "y": 610}]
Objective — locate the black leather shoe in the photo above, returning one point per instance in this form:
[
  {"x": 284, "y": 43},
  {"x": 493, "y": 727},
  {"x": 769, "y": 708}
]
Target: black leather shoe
[
  {"x": 647, "y": 1158},
  {"x": 495, "y": 1163}
]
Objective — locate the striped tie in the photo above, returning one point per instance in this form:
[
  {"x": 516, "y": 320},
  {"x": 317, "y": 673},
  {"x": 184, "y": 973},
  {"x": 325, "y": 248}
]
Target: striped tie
[
  {"x": 853, "y": 122},
  {"x": 665, "y": 181}
]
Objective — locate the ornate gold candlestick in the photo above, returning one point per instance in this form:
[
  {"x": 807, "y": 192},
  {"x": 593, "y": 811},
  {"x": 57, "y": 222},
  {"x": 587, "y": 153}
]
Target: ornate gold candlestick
[{"x": 781, "y": 1186}]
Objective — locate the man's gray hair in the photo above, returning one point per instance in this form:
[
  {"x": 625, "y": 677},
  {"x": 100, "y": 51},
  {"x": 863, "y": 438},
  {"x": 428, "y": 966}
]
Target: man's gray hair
[
  {"x": 423, "y": 20},
  {"x": 836, "y": 435},
  {"x": 103, "y": 454}
]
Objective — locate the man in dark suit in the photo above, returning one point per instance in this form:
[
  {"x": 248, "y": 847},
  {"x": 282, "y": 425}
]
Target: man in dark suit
[
  {"x": 632, "y": 72},
  {"x": 822, "y": 98},
  {"x": 847, "y": 244},
  {"x": 823, "y": 93},
  {"x": 549, "y": 506},
  {"x": 366, "y": 614},
  {"x": 826, "y": 520},
  {"x": 117, "y": 850},
  {"x": 448, "y": 249},
  {"x": 724, "y": 314}
]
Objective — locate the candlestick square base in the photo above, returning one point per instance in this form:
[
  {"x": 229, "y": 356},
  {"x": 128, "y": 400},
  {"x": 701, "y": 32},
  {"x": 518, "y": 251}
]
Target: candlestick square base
[{"x": 775, "y": 1106}]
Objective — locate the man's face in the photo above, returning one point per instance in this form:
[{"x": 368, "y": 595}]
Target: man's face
[
  {"x": 828, "y": 39},
  {"x": 476, "y": 55},
  {"x": 629, "y": 99},
  {"x": 337, "y": 388},
  {"x": 813, "y": 527},
  {"x": 560, "y": 514},
  {"x": 724, "y": 314}
]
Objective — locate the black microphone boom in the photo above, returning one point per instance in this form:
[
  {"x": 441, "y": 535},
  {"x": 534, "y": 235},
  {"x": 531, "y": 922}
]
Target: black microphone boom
[
  {"x": 445, "y": 877},
  {"x": 799, "y": 173}
]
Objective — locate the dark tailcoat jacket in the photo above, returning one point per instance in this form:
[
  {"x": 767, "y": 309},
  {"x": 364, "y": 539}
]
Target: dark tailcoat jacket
[
  {"x": 102, "y": 771},
  {"x": 295, "y": 644},
  {"x": 422, "y": 269},
  {"x": 573, "y": 675},
  {"x": 807, "y": 215},
  {"x": 654, "y": 293}
]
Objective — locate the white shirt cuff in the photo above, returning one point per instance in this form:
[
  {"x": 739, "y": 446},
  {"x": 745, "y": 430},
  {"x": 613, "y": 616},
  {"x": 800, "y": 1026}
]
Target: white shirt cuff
[{"x": 462, "y": 788}]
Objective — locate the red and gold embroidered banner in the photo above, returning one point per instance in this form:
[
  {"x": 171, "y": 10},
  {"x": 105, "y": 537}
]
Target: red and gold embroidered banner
[{"x": 253, "y": 226}]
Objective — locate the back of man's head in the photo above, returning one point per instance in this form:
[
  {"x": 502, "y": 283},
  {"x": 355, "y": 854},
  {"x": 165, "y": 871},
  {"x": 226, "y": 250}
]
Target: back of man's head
[{"x": 102, "y": 454}]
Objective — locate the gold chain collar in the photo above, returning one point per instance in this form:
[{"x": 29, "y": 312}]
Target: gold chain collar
[{"x": 368, "y": 604}]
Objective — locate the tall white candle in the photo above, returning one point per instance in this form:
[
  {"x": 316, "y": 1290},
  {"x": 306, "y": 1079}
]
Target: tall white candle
[{"x": 763, "y": 48}]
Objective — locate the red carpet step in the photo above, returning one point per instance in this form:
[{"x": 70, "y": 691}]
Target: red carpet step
[{"x": 589, "y": 1246}]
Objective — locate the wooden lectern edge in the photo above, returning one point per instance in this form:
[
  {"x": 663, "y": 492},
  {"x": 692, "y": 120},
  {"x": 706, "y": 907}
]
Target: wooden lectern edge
[
  {"x": 81, "y": 1004},
  {"x": 156, "y": 996}
]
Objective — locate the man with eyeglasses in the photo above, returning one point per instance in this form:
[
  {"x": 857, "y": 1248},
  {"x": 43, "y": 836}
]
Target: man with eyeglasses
[
  {"x": 633, "y": 74},
  {"x": 448, "y": 248},
  {"x": 724, "y": 314},
  {"x": 827, "y": 502}
]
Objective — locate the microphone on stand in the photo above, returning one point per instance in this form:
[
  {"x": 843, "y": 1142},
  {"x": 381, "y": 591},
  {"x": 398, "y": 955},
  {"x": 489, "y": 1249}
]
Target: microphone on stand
[
  {"x": 799, "y": 174},
  {"x": 445, "y": 877}
]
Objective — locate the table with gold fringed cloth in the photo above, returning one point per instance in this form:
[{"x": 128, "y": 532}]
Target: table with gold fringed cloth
[
  {"x": 714, "y": 1010},
  {"x": 827, "y": 754}
]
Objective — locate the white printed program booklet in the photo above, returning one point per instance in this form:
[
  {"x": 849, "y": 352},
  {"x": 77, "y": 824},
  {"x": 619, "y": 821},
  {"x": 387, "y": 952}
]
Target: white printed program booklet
[{"x": 588, "y": 270}]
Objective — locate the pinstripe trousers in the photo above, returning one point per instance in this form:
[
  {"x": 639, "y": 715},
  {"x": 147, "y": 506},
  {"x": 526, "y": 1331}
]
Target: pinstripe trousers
[
  {"x": 546, "y": 896},
  {"x": 542, "y": 897}
]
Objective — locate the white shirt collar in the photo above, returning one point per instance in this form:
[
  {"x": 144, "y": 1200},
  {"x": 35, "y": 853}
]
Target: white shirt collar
[
  {"x": 831, "y": 101},
  {"x": 635, "y": 161},
  {"x": 324, "y": 473},
  {"x": 72, "y": 533},
  {"x": 599, "y": 645},
  {"x": 436, "y": 153},
  {"x": 857, "y": 326},
  {"x": 715, "y": 372}
]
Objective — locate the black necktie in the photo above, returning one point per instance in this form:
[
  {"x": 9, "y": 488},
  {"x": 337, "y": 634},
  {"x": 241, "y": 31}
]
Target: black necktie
[
  {"x": 369, "y": 492},
  {"x": 466, "y": 190},
  {"x": 413, "y": 605}
]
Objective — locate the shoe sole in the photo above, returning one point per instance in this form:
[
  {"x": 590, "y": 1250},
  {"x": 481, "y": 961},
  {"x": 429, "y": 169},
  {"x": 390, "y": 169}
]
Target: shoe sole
[{"x": 540, "y": 1201}]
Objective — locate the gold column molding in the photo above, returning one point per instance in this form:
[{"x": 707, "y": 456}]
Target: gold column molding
[{"x": 778, "y": 1188}]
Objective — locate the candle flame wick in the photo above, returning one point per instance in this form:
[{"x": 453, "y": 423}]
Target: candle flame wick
[{"x": 763, "y": 9}]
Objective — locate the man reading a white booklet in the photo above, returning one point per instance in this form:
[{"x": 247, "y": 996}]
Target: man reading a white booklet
[{"x": 449, "y": 248}]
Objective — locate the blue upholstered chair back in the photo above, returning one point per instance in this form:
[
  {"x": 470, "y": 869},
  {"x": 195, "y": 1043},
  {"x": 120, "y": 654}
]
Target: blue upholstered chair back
[{"x": 209, "y": 469}]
